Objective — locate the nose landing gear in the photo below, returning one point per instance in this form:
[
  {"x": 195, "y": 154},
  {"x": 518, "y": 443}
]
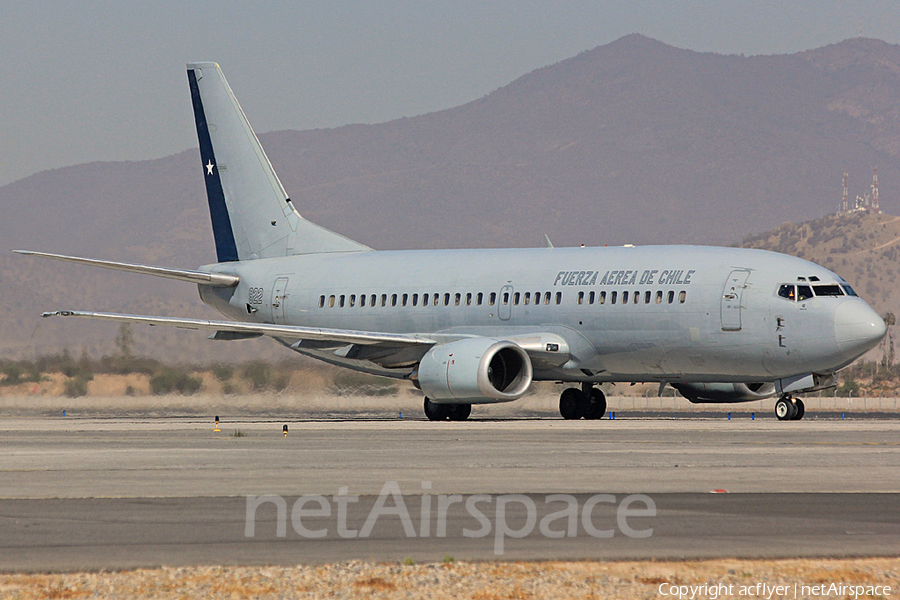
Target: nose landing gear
[
  {"x": 788, "y": 408},
  {"x": 588, "y": 402}
]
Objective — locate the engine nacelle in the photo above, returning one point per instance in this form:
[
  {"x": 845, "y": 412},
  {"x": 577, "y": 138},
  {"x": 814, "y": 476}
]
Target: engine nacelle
[
  {"x": 712, "y": 393},
  {"x": 476, "y": 371}
]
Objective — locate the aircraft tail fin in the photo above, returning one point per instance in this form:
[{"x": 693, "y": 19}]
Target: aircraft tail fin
[{"x": 252, "y": 216}]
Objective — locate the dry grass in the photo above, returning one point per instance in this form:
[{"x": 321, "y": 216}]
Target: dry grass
[
  {"x": 375, "y": 583},
  {"x": 478, "y": 581}
]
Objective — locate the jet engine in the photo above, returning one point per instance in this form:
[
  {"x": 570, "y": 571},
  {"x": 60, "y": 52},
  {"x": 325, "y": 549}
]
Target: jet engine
[
  {"x": 711, "y": 393},
  {"x": 477, "y": 370}
]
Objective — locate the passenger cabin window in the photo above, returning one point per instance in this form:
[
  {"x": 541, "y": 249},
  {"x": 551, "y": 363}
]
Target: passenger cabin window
[
  {"x": 612, "y": 297},
  {"x": 647, "y": 295},
  {"x": 457, "y": 298},
  {"x": 446, "y": 299},
  {"x": 624, "y": 298},
  {"x": 505, "y": 298},
  {"x": 527, "y": 299},
  {"x": 659, "y": 297},
  {"x": 492, "y": 299},
  {"x": 415, "y": 299},
  {"x": 547, "y": 297},
  {"x": 671, "y": 297},
  {"x": 341, "y": 301},
  {"x": 362, "y": 299},
  {"x": 591, "y": 297},
  {"x": 637, "y": 297},
  {"x": 682, "y": 296},
  {"x": 393, "y": 299},
  {"x": 352, "y": 299},
  {"x": 403, "y": 299},
  {"x": 469, "y": 299},
  {"x": 372, "y": 299},
  {"x": 580, "y": 297},
  {"x": 331, "y": 301},
  {"x": 559, "y": 297},
  {"x": 804, "y": 292},
  {"x": 828, "y": 290},
  {"x": 321, "y": 301},
  {"x": 602, "y": 299},
  {"x": 516, "y": 297},
  {"x": 384, "y": 300},
  {"x": 479, "y": 298}
]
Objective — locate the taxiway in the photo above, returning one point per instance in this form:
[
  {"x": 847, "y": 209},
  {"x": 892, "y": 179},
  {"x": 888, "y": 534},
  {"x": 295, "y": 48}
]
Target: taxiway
[{"x": 119, "y": 493}]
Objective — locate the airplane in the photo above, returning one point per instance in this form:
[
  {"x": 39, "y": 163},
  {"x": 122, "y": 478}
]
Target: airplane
[{"x": 478, "y": 326}]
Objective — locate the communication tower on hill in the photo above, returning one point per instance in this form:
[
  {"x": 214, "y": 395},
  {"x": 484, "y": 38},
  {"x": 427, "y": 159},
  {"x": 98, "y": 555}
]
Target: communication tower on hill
[
  {"x": 874, "y": 206},
  {"x": 844, "y": 206},
  {"x": 866, "y": 203}
]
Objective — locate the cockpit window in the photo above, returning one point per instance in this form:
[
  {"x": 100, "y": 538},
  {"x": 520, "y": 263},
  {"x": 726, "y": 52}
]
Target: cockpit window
[
  {"x": 804, "y": 292},
  {"x": 849, "y": 290},
  {"x": 787, "y": 291},
  {"x": 828, "y": 290}
]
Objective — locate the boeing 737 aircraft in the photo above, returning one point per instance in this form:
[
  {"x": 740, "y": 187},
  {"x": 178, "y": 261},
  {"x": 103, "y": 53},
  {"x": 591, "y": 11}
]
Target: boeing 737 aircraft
[{"x": 478, "y": 326}]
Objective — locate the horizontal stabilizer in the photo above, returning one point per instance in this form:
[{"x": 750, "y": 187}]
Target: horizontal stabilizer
[
  {"x": 213, "y": 279},
  {"x": 285, "y": 331}
]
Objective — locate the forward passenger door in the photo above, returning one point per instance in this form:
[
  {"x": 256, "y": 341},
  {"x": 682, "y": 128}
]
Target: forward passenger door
[{"x": 732, "y": 296}]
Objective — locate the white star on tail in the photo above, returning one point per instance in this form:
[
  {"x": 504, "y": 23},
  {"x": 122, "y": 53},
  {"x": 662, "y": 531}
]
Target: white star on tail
[{"x": 209, "y": 167}]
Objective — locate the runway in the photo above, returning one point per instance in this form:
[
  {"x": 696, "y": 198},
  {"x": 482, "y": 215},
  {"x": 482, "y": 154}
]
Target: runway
[{"x": 119, "y": 493}]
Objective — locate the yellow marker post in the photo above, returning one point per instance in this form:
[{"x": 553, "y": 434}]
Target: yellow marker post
[
  {"x": 284, "y": 429},
  {"x": 217, "y": 424}
]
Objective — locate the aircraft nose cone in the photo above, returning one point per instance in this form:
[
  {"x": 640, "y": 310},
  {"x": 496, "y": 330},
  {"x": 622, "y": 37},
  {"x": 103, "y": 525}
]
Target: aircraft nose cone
[{"x": 857, "y": 328}]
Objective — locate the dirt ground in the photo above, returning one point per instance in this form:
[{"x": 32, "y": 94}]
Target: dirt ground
[{"x": 840, "y": 578}]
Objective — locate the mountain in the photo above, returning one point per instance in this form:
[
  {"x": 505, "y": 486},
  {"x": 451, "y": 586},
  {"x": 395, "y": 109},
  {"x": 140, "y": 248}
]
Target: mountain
[
  {"x": 863, "y": 248},
  {"x": 632, "y": 142}
]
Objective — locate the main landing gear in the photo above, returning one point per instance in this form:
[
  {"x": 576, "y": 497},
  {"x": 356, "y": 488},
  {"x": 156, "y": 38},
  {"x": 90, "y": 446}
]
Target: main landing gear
[
  {"x": 788, "y": 408},
  {"x": 588, "y": 402},
  {"x": 442, "y": 412}
]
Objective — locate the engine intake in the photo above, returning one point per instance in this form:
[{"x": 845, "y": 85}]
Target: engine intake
[{"x": 476, "y": 370}]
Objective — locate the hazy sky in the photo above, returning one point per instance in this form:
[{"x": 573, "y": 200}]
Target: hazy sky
[{"x": 104, "y": 80}]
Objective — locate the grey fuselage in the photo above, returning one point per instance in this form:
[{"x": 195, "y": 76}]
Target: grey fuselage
[{"x": 703, "y": 314}]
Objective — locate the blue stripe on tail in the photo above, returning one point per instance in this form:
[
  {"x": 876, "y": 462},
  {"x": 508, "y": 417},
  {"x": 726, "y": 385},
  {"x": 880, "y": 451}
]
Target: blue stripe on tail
[{"x": 226, "y": 249}]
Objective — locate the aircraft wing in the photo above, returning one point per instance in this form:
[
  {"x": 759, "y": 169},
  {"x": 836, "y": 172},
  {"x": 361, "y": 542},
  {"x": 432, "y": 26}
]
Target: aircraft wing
[
  {"x": 344, "y": 336},
  {"x": 537, "y": 345}
]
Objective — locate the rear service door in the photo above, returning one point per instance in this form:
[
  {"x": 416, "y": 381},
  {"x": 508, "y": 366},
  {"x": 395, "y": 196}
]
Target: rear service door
[{"x": 279, "y": 296}]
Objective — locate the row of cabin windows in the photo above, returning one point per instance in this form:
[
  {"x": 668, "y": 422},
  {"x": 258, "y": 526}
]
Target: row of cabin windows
[
  {"x": 457, "y": 299},
  {"x": 478, "y": 299},
  {"x": 636, "y": 297}
]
